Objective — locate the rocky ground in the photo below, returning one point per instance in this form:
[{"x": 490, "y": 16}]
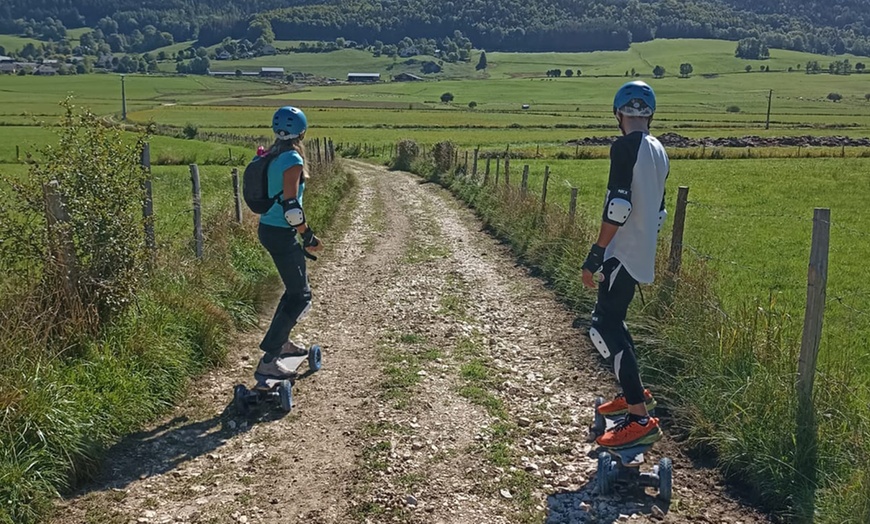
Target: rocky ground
[{"x": 454, "y": 390}]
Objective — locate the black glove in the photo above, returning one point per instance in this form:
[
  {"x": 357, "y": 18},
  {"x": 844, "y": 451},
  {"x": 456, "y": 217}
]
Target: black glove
[
  {"x": 309, "y": 240},
  {"x": 595, "y": 258}
]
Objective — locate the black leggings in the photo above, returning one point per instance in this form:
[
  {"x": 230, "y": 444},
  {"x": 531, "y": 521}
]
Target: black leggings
[
  {"x": 615, "y": 294},
  {"x": 289, "y": 259}
]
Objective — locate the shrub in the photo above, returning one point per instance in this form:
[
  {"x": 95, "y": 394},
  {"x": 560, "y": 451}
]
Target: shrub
[
  {"x": 444, "y": 153},
  {"x": 190, "y": 131},
  {"x": 835, "y": 97},
  {"x": 472, "y": 104},
  {"x": 447, "y": 97},
  {"x": 407, "y": 152},
  {"x": 733, "y": 109},
  {"x": 94, "y": 254}
]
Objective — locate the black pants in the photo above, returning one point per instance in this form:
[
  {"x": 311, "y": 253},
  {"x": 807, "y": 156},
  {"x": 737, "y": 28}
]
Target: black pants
[
  {"x": 289, "y": 259},
  {"x": 615, "y": 294}
]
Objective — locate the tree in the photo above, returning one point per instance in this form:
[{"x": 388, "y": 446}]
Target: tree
[
  {"x": 481, "y": 64},
  {"x": 447, "y": 97},
  {"x": 569, "y": 73},
  {"x": 835, "y": 97},
  {"x": 867, "y": 97},
  {"x": 860, "y": 67},
  {"x": 659, "y": 72},
  {"x": 748, "y": 68},
  {"x": 472, "y": 104},
  {"x": 752, "y": 49},
  {"x": 686, "y": 70}
]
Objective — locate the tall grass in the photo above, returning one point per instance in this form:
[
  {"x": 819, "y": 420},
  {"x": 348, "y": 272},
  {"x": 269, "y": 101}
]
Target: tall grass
[
  {"x": 727, "y": 377},
  {"x": 64, "y": 398}
]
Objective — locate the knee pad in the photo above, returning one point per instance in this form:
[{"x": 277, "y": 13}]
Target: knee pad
[
  {"x": 296, "y": 306},
  {"x": 599, "y": 343}
]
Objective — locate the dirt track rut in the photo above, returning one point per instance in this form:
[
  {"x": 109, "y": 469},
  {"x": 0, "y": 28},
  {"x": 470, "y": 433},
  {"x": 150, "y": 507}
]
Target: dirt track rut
[{"x": 454, "y": 390}]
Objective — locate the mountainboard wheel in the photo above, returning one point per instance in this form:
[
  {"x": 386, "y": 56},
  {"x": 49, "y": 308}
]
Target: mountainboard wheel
[
  {"x": 665, "y": 479},
  {"x": 599, "y": 425},
  {"x": 240, "y": 399},
  {"x": 315, "y": 358},
  {"x": 285, "y": 394},
  {"x": 604, "y": 474}
]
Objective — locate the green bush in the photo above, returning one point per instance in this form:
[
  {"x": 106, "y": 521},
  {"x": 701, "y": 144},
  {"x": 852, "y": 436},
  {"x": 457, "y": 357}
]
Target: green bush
[
  {"x": 732, "y": 109},
  {"x": 407, "y": 152},
  {"x": 190, "y": 131}
]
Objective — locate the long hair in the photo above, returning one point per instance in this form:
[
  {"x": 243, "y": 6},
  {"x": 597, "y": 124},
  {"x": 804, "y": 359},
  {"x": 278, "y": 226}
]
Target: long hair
[{"x": 294, "y": 144}]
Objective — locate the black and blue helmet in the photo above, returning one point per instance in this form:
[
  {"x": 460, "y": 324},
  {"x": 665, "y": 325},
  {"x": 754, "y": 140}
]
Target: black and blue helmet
[
  {"x": 289, "y": 122},
  {"x": 635, "y": 99}
]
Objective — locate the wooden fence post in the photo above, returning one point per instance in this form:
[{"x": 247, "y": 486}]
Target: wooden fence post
[
  {"x": 676, "y": 256},
  {"x": 497, "y": 169},
  {"x": 544, "y": 189},
  {"x": 465, "y": 170},
  {"x": 197, "y": 209},
  {"x": 148, "y": 202},
  {"x": 507, "y": 170},
  {"x": 61, "y": 245},
  {"x": 486, "y": 173},
  {"x": 18, "y": 153},
  {"x": 807, "y": 434},
  {"x": 572, "y": 206},
  {"x": 524, "y": 186},
  {"x": 237, "y": 195},
  {"x": 474, "y": 169}
]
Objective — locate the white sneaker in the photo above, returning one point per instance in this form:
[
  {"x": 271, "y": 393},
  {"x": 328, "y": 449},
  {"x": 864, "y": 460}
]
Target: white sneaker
[{"x": 271, "y": 370}]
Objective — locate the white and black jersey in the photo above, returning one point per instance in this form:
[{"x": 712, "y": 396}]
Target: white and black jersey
[{"x": 639, "y": 163}]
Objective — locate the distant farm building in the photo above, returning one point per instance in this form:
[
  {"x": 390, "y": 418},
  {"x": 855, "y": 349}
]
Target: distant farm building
[
  {"x": 407, "y": 77},
  {"x": 272, "y": 72},
  {"x": 363, "y": 77},
  {"x": 4, "y": 59}
]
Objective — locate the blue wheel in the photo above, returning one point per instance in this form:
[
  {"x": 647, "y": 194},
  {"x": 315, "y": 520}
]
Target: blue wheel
[
  {"x": 604, "y": 475},
  {"x": 285, "y": 393},
  {"x": 315, "y": 358},
  {"x": 240, "y": 399},
  {"x": 665, "y": 479}
]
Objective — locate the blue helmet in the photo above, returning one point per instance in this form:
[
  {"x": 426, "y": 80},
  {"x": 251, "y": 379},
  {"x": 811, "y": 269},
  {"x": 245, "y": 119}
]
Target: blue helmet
[
  {"x": 635, "y": 99},
  {"x": 289, "y": 122}
]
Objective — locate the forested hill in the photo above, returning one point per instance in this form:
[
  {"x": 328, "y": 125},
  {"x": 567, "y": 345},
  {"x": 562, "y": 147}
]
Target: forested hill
[{"x": 822, "y": 26}]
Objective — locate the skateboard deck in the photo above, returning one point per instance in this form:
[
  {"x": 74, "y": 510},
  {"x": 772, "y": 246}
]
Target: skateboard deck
[{"x": 266, "y": 390}]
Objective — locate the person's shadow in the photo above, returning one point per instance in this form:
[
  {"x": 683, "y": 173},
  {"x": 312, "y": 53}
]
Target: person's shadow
[{"x": 172, "y": 445}]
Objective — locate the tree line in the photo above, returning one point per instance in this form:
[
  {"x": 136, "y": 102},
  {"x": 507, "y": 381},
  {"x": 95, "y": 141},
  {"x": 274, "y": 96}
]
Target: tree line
[{"x": 508, "y": 25}]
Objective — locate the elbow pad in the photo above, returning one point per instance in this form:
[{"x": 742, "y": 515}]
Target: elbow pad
[
  {"x": 663, "y": 215},
  {"x": 618, "y": 207},
  {"x": 293, "y": 213}
]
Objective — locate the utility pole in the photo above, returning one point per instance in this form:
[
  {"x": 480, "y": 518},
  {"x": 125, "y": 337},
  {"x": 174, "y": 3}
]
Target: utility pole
[
  {"x": 123, "y": 100},
  {"x": 769, "y": 100}
]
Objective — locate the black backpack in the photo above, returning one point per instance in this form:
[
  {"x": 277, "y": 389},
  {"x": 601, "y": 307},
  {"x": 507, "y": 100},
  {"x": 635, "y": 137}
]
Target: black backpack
[{"x": 255, "y": 185}]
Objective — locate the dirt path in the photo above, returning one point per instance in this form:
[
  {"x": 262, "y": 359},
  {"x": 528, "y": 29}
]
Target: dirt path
[{"x": 454, "y": 390}]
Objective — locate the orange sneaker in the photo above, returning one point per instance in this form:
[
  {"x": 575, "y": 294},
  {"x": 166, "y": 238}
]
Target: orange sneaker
[
  {"x": 618, "y": 406},
  {"x": 630, "y": 433}
]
